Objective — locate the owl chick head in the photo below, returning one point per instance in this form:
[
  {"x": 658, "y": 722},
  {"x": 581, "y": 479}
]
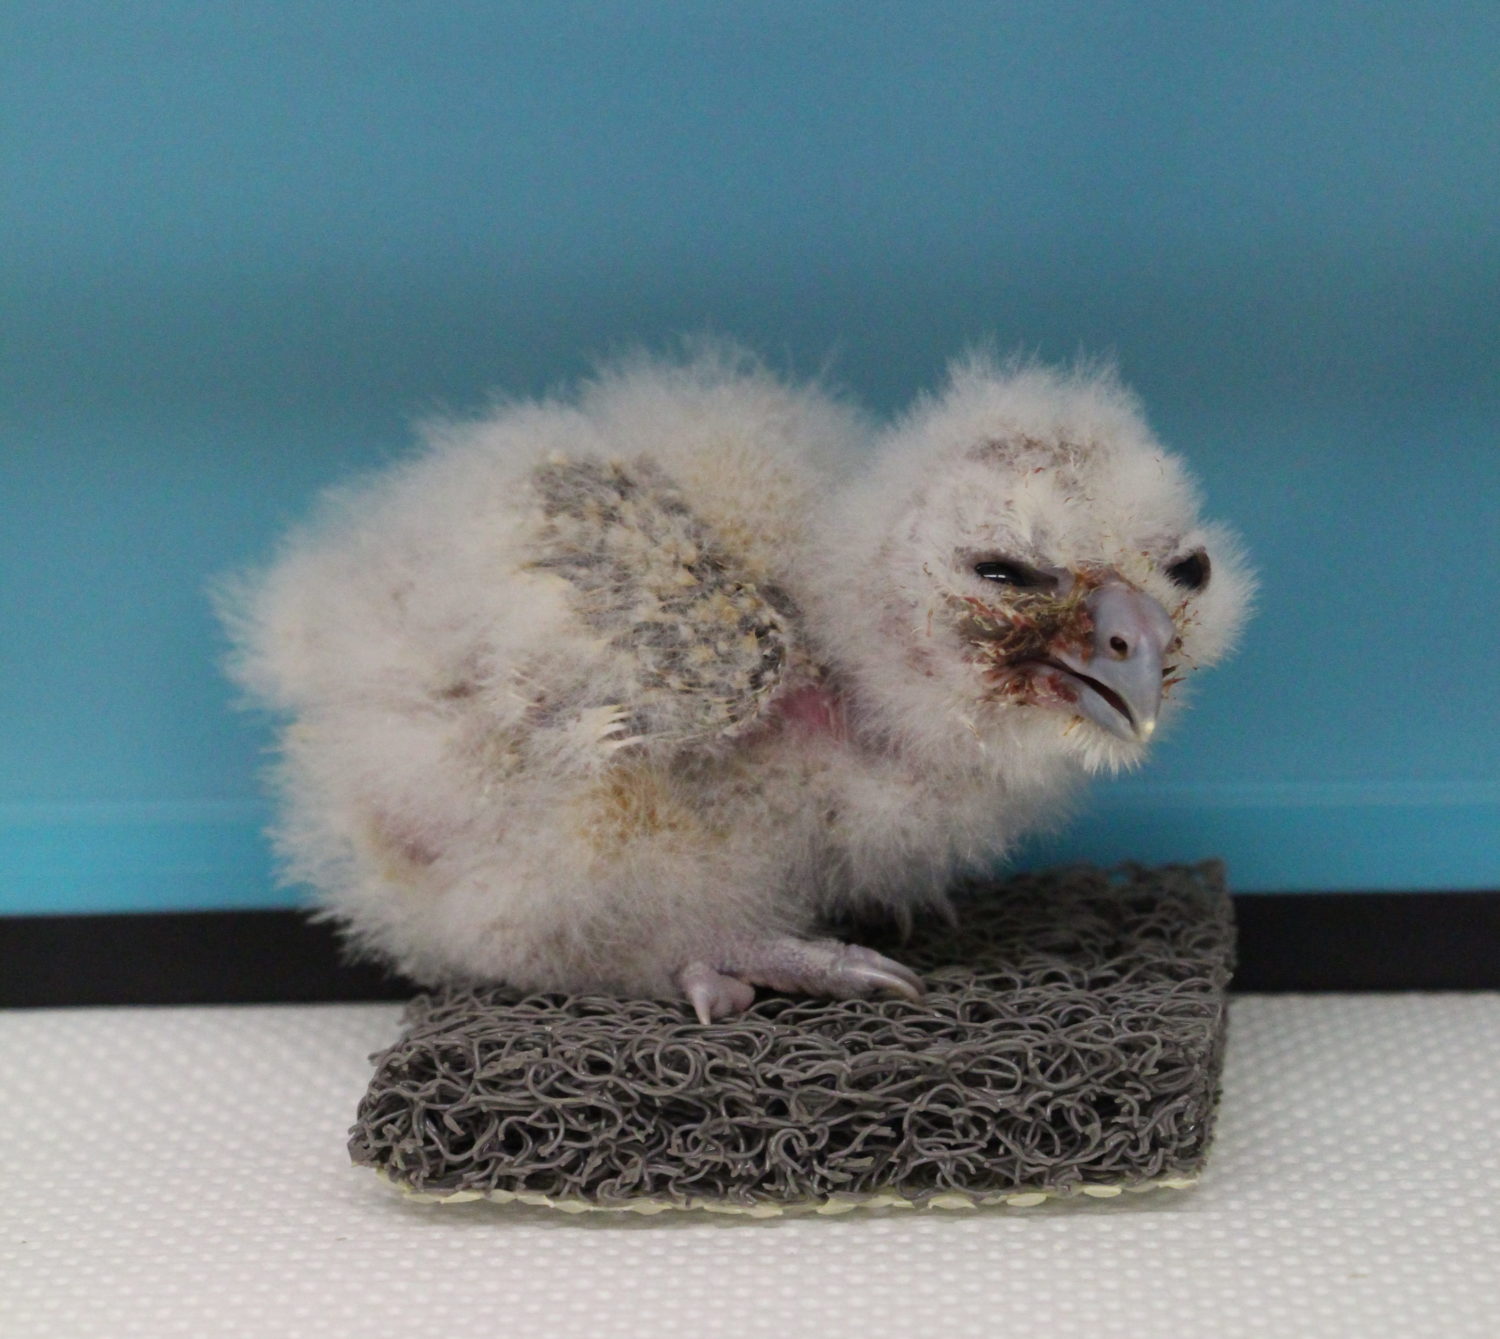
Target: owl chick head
[{"x": 1039, "y": 565}]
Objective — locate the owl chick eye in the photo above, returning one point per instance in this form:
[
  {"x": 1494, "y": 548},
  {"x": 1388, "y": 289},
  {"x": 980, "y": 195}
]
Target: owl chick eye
[
  {"x": 1006, "y": 572},
  {"x": 1192, "y": 572}
]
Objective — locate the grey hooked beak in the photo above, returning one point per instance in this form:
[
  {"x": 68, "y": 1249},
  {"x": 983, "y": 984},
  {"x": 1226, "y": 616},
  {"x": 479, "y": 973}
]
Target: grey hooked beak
[{"x": 1121, "y": 676}]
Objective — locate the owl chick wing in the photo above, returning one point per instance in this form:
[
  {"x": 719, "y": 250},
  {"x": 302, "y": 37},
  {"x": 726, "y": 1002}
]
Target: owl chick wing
[{"x": 687, "y": 648}]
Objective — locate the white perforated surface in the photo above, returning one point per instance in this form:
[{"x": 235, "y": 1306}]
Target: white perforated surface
[{"x": 182, "y": 1172}]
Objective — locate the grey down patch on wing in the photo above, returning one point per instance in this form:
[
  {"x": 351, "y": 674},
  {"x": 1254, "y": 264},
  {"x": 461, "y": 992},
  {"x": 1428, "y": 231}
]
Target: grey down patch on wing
[{"x": 697, "y": 646}]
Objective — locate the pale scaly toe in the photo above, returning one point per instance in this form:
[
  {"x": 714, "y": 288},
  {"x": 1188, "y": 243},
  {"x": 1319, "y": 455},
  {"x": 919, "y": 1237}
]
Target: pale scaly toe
[{"x": 712, "y": 994}]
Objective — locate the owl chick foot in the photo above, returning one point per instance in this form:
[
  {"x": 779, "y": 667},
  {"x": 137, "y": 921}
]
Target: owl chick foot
[{"x": 822, "y": 967}]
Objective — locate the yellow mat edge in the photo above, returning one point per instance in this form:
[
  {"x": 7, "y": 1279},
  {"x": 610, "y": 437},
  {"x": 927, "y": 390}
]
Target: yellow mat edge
[{"x": 836, "y": 1204}]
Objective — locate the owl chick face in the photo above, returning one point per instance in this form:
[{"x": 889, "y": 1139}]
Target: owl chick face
[{"x": 1054, "y": 577}]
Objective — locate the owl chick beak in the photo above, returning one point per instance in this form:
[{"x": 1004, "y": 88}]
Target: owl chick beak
[{"x": 1120, "y": 672}]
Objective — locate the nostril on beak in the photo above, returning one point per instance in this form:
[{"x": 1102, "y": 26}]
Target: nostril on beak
[{"x": 1119, "y": 646}]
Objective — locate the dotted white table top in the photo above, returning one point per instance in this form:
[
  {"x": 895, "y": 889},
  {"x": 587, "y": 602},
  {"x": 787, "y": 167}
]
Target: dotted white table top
[{"x": 182, "y": 1172}]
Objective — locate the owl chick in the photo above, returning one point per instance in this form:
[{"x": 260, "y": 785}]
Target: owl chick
[{"x": 628, "y": 692}]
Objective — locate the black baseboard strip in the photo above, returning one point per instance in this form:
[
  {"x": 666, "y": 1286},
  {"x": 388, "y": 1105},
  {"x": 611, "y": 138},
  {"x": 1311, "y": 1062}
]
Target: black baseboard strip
[
  {"x": 182, "y": 957},
  {"x": 1287, "y": 942},
  {"x": 1368, "y": 941}
]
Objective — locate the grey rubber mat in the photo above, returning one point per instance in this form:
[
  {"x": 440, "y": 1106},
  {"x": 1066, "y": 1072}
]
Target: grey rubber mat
[{"x": 1071, "y": 1040}]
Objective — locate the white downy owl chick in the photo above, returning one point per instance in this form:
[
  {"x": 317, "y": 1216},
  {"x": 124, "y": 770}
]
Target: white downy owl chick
[{"x": 628, "y": 692}]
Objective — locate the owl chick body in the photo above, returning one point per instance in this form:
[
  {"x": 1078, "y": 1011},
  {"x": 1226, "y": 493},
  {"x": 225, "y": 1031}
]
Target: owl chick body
[{"x": 629, "y": 692}]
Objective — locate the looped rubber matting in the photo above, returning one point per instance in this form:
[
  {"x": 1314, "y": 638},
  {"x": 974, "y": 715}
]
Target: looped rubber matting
[{"x": 1070, "y": 1042}]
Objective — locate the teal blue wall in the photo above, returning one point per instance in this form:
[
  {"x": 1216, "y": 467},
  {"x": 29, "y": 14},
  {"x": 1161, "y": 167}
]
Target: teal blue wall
[{"x": 244, "y": 245}]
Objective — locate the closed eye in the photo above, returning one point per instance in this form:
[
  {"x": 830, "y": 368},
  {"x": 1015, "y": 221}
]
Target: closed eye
[{"x": 1009, "y": 572}]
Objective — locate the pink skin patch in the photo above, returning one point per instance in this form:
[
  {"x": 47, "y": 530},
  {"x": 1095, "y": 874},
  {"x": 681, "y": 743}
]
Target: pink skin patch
[{"x": 809, "y": 710}]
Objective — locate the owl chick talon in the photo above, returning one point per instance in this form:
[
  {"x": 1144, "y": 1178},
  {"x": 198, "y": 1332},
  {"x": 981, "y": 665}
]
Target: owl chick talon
[
  {"x": 864, "y": 965},
  {"x": 826, "y": 968},
  {"x": 712, "y": 994}
]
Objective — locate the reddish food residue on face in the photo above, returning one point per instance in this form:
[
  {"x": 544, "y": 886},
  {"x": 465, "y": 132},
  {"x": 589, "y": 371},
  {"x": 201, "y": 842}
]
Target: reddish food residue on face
[
  {"x": 1016, "y": 641},
  {"x": 1028, "y": 626}
]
